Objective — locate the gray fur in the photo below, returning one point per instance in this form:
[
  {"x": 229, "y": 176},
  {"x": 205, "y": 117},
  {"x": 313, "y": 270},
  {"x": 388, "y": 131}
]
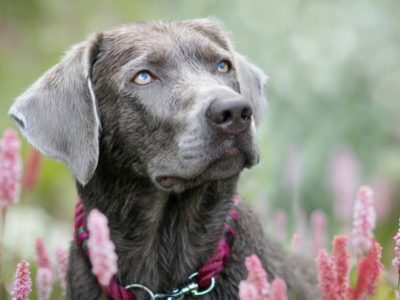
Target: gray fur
[
  {"x": 58, "y": 115},
  {"x": 162, "y": 233}
]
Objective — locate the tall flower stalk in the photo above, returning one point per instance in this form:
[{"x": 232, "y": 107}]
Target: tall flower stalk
[
  {"x": 318, "y": 228},
  {"x": 10, "y": 168},
  {"x": 396, "y": 260},
  {"x": 340, "y": 259},
  {"x": 280, "y": 225},
  {"x": 257, "y": 286},
  {"x": 61, "y": 254},
  {"x": 102, "y": 249},
  {"x": 344, "y": 177},
  {"x": 369, "y": 270},
  {"x": 32, "y": 168},
  {"x": 10, "y": 173},
  {"x": 334, "y": 272},
  {"x": 364, "y": 219},
  {"x": 334, "y": 281},
  {"x": 45, "y": 274},
  {"x": 327, "y": 276},
  {"x": 22, "y": 286}
]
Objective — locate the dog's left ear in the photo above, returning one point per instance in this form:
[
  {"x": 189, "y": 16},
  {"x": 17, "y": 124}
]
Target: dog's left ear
[
  {"x": 252, "y": 81},
  {"x": 58, "y": 114}
]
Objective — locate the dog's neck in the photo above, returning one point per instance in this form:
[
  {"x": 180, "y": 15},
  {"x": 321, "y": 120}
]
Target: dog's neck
[{"x": 161, "y": 238}]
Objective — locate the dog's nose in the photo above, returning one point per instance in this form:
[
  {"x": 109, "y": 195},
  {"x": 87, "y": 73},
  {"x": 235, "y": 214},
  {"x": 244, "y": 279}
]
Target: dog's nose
[{"x": 231, "y": 116}]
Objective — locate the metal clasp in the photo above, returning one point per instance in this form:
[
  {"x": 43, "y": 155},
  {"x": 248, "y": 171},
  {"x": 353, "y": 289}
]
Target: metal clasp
[
  {"x": 190, "y": 288},
  {"x": 199, "y": 293}
]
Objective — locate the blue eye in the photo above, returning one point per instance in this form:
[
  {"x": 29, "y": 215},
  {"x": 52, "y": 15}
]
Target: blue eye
[
  {"x": 143, "y": 77},
  {"x": 224, "y": 66}
]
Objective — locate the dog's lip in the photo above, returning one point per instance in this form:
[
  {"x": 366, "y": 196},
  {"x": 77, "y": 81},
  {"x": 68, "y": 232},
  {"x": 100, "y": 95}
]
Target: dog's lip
[
  {"x": 231, "y": 152},
  {"x": 227, "y": 149},
  {"x": 167, "y": 182}
]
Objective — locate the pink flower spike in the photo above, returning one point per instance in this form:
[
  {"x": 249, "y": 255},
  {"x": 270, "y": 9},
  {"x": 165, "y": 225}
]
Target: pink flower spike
[
  {"x": 369, "y": 271},
  {"x": 363, "y": 222},
  {"x": 62, "y": 261},
  {"x": 101, "y": 248},
  {"x": 340, "y": 260},
  {"x": 318, "y": 224},
  {"x": 42, "y": 257},
  {"x": 248, "y": 291},
  {"x": 10, "y": 168},
  {"x": 278, "y": 290},
  {"x": 344, "y": 174},
  {"x": 257, "y": 275},
  {"x": 22, "y": 286},
  {"x": 31, "y": 173},
  {"x": 44, "y": 282},
  {"x": 45, "y": 276},
  {"x": 396, "y": 260},
  {"x": 326, "y": 276}
]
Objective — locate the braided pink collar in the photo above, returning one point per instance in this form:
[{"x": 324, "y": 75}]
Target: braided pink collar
[{"x": 198, "y": 284}]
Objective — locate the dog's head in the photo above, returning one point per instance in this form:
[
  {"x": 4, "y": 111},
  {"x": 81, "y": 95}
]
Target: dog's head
[{"x": 171, "y": 100}]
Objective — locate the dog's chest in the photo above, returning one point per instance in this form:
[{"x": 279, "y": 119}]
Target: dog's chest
[{"x": 163, "y": 257}]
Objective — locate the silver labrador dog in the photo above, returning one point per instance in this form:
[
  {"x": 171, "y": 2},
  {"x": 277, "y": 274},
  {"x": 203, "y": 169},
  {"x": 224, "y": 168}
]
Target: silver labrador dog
[{"x": 156, "y": 121}]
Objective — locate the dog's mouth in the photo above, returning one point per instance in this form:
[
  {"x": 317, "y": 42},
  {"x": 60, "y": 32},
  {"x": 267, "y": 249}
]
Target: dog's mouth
[
  {"x": 168, "y": 182},
  {"x": 225, "y": 161}
]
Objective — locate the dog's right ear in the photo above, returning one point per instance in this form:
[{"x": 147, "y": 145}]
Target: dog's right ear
[{"x": 58, "y": 113}]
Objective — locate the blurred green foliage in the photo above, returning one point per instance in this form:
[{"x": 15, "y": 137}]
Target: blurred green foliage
[{"x": 334, "y": 69}]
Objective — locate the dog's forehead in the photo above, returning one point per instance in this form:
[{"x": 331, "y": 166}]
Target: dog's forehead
[
  {"x": 161, "y": 32},
  {"x": 157, "y": 39}
]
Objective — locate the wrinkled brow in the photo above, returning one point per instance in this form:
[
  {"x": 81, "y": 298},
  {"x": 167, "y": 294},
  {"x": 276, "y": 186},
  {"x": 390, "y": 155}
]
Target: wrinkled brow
[
  {"x": 159, "y": 58},
  {"x": 211, "y": 53},
  {"x": 203, "y": 52},
  {"x": 156, "y": 58}
]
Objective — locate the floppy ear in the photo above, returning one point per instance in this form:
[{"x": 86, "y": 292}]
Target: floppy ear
[
  {"x": 252, "y": 81},
  {"x": 58, "y": 113}
]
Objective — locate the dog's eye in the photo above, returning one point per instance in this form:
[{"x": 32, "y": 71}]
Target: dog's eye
[
  {"x": 143, "y": 77},
  {"x": 224, "y": 66}
]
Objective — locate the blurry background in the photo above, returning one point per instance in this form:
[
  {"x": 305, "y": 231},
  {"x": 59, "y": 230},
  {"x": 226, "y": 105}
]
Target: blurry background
[{"x": 333, "y": 121}]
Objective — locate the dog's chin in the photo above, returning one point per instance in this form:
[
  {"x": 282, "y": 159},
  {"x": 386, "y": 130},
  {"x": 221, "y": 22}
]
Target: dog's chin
[{"x": 228, "y": 165}]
